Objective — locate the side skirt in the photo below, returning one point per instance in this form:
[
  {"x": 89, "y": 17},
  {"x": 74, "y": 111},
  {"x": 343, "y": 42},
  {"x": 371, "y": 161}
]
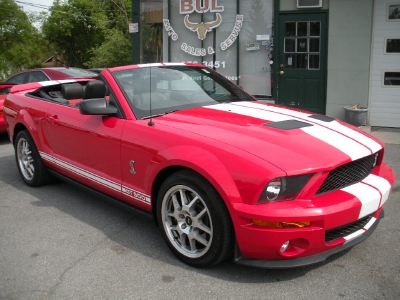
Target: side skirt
[{"x": 101, "y": 195}]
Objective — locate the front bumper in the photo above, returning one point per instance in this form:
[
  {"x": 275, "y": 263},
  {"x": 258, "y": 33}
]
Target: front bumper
[
  {"x": 308, "y": 260},
  {"x": 356, "y": 208}
]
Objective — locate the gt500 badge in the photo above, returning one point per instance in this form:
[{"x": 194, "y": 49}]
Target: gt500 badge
[{"x": 136, "y": 195}]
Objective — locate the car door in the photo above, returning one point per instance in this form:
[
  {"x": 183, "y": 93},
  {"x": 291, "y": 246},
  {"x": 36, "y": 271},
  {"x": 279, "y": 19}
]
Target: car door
[{"x": 85, "y": 147}]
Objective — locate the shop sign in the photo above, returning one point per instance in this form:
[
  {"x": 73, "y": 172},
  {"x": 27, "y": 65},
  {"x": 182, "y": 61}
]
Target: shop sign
[{"x": 187, "y": 7}]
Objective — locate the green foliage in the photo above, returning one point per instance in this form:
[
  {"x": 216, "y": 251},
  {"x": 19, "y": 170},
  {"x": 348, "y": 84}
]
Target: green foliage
[
  {"x": 21, "y": 44},
  {"x": 115, "y": 51},
  {"x": 90, "y": 32},
  {"x": 71, "y": 30}
]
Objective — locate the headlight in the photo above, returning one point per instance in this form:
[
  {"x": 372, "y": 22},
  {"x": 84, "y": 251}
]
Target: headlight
[
  {"x": 273, "y": 188},
  {"x": 283, "y": 188}
]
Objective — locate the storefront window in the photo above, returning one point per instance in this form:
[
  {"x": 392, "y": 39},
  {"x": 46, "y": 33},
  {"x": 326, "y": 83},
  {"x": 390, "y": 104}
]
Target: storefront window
[
  {"x": 233, "y": 37},
  {"x": 151, "y": 31}
]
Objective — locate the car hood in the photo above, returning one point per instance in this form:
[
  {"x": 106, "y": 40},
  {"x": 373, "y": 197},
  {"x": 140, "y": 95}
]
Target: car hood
[{"x": 293, "y": 140}]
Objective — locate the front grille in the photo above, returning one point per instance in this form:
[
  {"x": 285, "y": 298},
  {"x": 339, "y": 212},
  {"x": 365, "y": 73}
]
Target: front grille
[
  {"x": 337, "y": 233},
  {"x": 348, "y": 174}
]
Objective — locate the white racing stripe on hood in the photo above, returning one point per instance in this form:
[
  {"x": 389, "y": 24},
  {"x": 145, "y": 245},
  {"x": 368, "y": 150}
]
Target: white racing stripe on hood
[
  {"x": 368, "y": 196},
  {"x": 346, "y": 145},
  {"x": 334, "y": 125},
  {"x": 343, "y": 143},
  {"x": 255, "y": 113},
  {"x": 381, "y": 184},
  {"x": 291, "y": 113}
]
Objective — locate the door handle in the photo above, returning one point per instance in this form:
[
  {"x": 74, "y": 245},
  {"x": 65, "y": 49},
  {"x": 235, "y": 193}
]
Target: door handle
[
  {"x": 53, "y": 120},
  {"x": 281, "y": 72}
]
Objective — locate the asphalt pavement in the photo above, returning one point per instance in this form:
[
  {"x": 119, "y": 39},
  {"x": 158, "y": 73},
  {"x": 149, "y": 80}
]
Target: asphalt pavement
[{"x": 58, "y": 242}]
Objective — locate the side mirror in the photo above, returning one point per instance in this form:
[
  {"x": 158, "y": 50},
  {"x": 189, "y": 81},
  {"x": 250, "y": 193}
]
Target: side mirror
[{"x": 96, "y": 106}]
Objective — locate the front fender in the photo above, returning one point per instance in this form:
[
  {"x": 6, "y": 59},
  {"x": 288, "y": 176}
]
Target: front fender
[
  {"x": 201, "y": 161},
  {"x": 237, "y": 176}
]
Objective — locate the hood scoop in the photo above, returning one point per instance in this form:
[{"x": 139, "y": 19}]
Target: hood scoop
[
  {"x": 288, "y": 124},
  {"x": 322, "y": 118}
]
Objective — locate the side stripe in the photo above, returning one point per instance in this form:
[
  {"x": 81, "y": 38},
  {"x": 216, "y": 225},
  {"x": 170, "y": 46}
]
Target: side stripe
[
  {"x": 341, "y": 142},
  {"x": 98, "y": 179},
  {"x": 369, "y": 197}
]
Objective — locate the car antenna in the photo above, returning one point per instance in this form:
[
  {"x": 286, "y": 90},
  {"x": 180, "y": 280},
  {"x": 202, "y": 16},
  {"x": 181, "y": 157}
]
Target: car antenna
[{"x": 151, "y": 123}]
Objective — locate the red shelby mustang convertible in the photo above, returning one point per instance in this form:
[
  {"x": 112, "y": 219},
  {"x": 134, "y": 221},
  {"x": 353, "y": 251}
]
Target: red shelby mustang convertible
[{"x": 223, "y": 174}]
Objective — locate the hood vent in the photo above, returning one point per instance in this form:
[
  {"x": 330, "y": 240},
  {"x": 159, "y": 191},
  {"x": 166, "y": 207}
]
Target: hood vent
[
  {"x": 288, "y": 125},
  {"x": 309, "y": 3},
  {"x": 322, "y": 118}
]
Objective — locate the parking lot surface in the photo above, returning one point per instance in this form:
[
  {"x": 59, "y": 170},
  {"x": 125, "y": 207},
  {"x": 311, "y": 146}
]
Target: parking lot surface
[{"x": 58, "y": 242}]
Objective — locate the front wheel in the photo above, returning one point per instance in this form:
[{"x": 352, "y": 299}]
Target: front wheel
[
  {"x": 194, "y": 220},
  {"x": 30, "y": 165}
]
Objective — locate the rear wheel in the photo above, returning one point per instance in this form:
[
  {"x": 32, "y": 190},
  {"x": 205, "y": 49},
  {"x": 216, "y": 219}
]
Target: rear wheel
[
  {"x": 30, "y": 165},
  {"x": 194, "y": 219}
]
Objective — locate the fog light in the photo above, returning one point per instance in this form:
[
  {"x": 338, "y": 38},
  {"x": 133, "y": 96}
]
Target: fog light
[{"x": 285, "y": 246}]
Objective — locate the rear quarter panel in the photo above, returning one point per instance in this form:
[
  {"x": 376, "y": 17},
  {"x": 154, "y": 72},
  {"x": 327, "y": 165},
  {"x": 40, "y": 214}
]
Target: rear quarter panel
[{"x": 21, "y": 111}]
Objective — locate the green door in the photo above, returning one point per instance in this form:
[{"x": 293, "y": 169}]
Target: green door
[{"x": 302, "y": 61}]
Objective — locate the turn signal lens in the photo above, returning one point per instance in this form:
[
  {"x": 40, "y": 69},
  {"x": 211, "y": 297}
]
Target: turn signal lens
[{"x": 281, "y": 224}]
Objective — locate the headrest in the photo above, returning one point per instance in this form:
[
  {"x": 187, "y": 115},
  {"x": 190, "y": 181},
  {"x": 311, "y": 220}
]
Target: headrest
[
  {"x": 71, "y": 91},
  {"x": 95, "y": 89}
]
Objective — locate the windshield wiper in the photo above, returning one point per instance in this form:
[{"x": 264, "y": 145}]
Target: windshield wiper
[{"x": 159, "y": 115}]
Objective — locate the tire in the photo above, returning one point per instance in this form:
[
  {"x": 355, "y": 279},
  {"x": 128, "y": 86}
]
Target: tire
[
  {"x": 194, "y": 220},
  {"x": 30, "y": 165}
]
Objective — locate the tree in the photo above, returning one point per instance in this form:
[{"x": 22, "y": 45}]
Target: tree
[
  {"x": 115, "y": 51},
  {"x": 90, "y": 32},
  {"x": 72, "y": 30},
  {"x": 21, "y": 44}
]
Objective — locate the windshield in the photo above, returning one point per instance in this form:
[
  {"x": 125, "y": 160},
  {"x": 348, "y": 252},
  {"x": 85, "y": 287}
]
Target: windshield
[
  {"x": 78, "y": 73},
  {"x": 172, "y": 88}
]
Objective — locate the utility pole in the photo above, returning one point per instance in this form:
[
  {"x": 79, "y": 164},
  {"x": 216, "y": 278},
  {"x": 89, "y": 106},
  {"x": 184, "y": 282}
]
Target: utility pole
[{"x": 136, "y": 36}]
